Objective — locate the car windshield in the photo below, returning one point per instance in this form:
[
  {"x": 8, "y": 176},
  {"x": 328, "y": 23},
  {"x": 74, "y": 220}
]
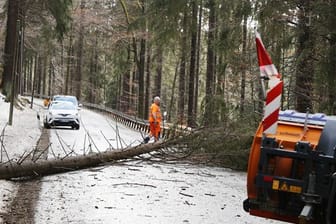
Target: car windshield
[
  {"x": 66, "y": 98},
  {"x": 62, "y": 106}
]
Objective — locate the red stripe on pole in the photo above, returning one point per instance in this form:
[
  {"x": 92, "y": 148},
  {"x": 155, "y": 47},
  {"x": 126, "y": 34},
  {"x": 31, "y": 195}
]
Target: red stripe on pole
[
  {"x": 274, "y": 93},
  {"x": 271, "y": 119},
  {"x": 263, "y": 57},
  {"x": 272, "y": 104}
]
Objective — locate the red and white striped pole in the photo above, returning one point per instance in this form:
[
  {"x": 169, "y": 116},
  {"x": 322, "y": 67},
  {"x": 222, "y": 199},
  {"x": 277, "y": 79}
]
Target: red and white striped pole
[{"x": 273, "y": 98}]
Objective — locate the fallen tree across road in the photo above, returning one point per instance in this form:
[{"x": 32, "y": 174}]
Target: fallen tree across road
[
  {"x": 53, "y": 166},
  {"x": 200, "y": 146}
]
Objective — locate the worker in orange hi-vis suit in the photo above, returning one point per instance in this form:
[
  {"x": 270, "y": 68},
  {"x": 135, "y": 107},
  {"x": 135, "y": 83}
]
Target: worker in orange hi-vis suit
[
  {"x": 154, "y": 120},
  {"x": 46, "y": 102}
]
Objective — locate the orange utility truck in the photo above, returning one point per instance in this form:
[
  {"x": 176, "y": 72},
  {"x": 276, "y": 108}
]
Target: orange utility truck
[{"x": 292, "y": 165}]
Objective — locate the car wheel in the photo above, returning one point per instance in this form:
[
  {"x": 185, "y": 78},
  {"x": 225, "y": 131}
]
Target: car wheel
[
  {"x": 76, "y": 126},
  {"x": 46, "y": 125}
]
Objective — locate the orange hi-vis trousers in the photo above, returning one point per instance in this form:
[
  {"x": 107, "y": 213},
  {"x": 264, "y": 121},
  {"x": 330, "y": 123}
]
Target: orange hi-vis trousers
[{"x": 155, "y": 129}]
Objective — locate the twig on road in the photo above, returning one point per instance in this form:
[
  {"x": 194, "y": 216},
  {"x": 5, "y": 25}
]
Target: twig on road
[
  {"x": 187, "y": 195},
  {"x": 108, "y": 142},
  {"x": 43, "y": 151},
  {"x": 90, "y": 139},
  {"x": 2, "y": 138},
  {"x": 137, "y": 184},
  {"x": 84, "y": 145},
  {"x": 61, "y": 142},
  {"x": 25, "y": 157},
  {"x": 52, "y": 151}
]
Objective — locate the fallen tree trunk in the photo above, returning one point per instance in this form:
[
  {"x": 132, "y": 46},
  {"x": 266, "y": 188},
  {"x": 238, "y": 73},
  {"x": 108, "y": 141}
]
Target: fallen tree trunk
[
  {"x": 48, "y": 167},
  {"x": 181, "y": 147}
]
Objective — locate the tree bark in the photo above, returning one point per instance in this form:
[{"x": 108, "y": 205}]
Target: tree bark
[
  {"x": 126, "y": 82},
  {"x": 182, "y": 78},
  {"x": 141, "y": 67},
  {"x": 148, "y": 81},
  {"x": 141, "y": 89},
  {"x": 209, "y": 92},
  {"x": 191, "y": 113},
  {"x": 10, "y": 42},
  {"x": 45, "y": 73},
  {"x": 199, "y": 32},
  {"x": 331, "y": 59},
  {"x": 244, "y": 53},
  {"x": 305, "y": 63},
  {"x": 158, "y": 77},
  {"x": 39, "y": 74},
  {"x": 78, "y": 80},
  {"x": 171, "y": 106},
  {"x": 48, "y": 167},
  {"x": 50, "y": 78},
  {"x": 69, "y": 65}
]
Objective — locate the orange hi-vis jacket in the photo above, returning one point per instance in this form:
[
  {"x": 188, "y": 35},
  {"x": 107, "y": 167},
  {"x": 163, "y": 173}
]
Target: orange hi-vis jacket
[{"x": 154, "y": 110}]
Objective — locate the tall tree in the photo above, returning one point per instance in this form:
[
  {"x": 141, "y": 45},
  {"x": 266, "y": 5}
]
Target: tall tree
[
  {"x": 182, "y": 74},
  {"x": 141, "y": 79},
  {"x": 158, "y": 77},
  {"x": 208, "y": 119},
  {"x": 79, "y": 67},
  {"x": 331, "y": 56},
  {"x": 70, "y": 56},
  {"x": 126, "y": 82},
  {"x": 191, "y": 90},
  {"x": 10, "y": 46},
  {"x": 59, "y": 9},
  {"x": 148, "y": 81},
  {"x": 198, "y": 53},
  {"x": 305, "y": 58},
  {"x": 246, "y": 9}
]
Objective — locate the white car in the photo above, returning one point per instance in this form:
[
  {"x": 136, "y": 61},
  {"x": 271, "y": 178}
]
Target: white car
[
  {"x": 67, "y": 98},
  {"x": 62, "y": 113}
]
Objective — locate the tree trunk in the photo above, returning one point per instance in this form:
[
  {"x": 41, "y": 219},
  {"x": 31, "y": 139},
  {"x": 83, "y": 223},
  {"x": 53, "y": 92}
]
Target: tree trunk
[
  {"x": 25, "y": 77},
  {"x": 97, "y": 77},
  {"x": 158, "y": 77},
  {"x": 141, "y": 78},
  {"x": 48, "y": 167},
  {"x": 92, "y": 76},
  {"x": 182, "y": 76},
  {"x": 39, "y": 74},
  {"x": 78, "y": 80},
  {"x": 191, "y": 113},
  {"x": 61, "y": 88},
  {"x": 34, "y": 79},
  {"x": 199, "y": 32},
  {"x": 171, "y": 106},
  {"x": 126, "y": 82},
  {"x": 49, "y": 77},
  {"x": 10, "y": 49},
  {"x": 244, "y": 61},
  {"x": 305, "y": 63},
  {"x": 21, "y": 53},
  {"x": 209, "y": 92},
  {"x": 331, "y": 59},
  {"x": 148, "y": 81},
  {"x": 69, "y": 65},
  {"x": 45, "y": 74}
]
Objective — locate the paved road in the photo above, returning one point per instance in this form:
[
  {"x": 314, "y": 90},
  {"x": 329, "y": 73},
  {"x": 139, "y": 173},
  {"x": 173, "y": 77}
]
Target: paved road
[
  {"x": 97, "y": 133},
  {"x": 128, "y": 192}
]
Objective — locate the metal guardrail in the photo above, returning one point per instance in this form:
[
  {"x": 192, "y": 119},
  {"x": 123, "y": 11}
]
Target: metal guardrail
[
  {"x": 127, "y": 120},
  {"x": 133, "y": 122}
]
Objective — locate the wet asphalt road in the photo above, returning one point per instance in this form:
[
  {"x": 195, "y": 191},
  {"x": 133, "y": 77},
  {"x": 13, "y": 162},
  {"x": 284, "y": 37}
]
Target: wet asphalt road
[{"x": 127, "y": 192}]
